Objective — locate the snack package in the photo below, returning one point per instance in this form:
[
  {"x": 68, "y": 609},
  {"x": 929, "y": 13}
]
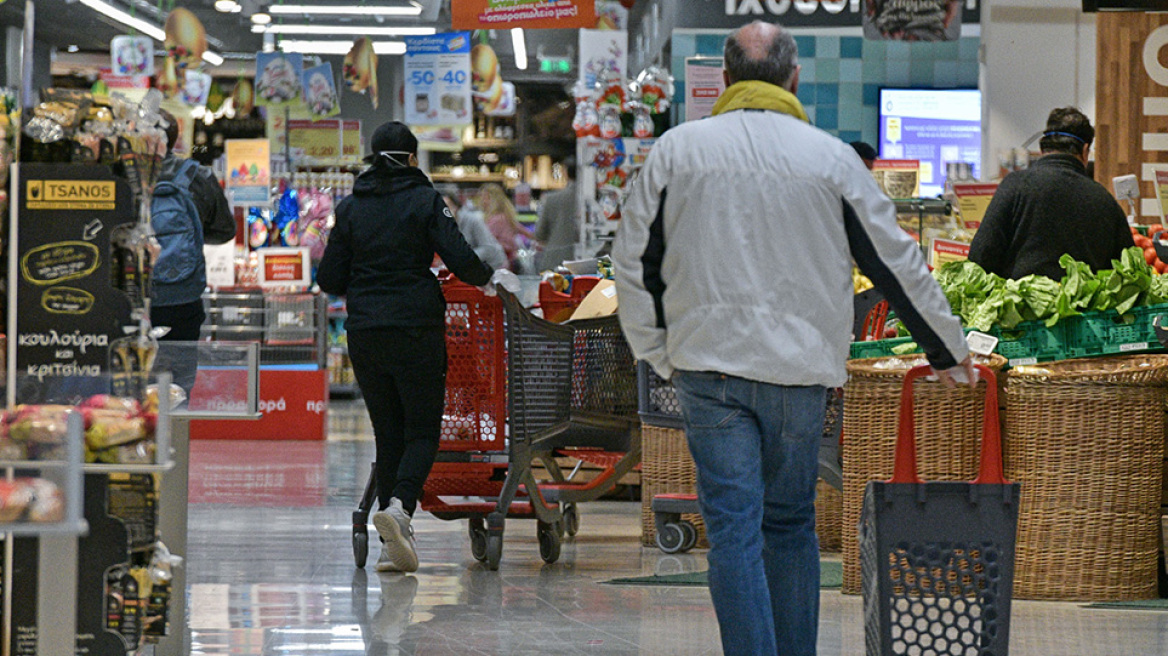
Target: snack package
[
  {"x": 586, "y": 122},
  {"x": 258, "y": 229},
  {"x": 30, "y": 499},
  {"x": 610, "y": 121},
  {"x": 150, "y": 404},
  {"x": 656, "y": 89},
  {"x": 287, "y": 212},
  {"x": 112, "y": 403},
  {"x": 611, "y": 88},
  {"x": 609, "y": 199},
  {"x": 642, "y": 121}
]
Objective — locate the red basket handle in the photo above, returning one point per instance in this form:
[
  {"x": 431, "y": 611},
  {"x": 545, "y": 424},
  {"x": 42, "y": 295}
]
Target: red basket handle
[{"x": 905, "y": 470}]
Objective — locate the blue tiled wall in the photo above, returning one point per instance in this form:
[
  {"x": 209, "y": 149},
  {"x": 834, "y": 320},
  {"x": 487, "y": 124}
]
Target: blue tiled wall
[{"x": 841, "y": 76}]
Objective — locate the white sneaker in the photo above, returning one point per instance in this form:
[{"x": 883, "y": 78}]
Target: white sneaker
[{"x": 399, "y": 553}]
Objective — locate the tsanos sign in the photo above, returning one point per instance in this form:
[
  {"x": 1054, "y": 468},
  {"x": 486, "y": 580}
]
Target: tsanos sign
[{"x": 730, "y": 14}]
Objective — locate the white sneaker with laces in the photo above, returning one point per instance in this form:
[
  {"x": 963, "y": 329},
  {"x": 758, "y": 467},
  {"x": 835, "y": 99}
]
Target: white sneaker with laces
[{"x": 399, "y": 553}]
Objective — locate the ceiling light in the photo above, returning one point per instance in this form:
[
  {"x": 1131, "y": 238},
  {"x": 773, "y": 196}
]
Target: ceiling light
[
  {"x": 519, "y": 45},
  {"x": 261, "y": 18},
  {"x": 149, "y": 29},
  {"x": 73, "y": 48},
  {"x": 228, "y": 6},
  {"x": 343, "y": 30},
  {"x": 347, "y": 10},
  {"x": 340, "y": 47}
]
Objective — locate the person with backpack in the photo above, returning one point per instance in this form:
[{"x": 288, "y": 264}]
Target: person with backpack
[{"x": 188, "y": 209}]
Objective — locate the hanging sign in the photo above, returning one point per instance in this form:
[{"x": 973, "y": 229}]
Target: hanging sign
[
  {"x": 278, "y": 80},
  {"x": 944, "y": 251},
  {"x": 285, "y": 267},
  {"x": 248, "y": 169},
  {"x": 913, "y": 20},
  {"x": 898, "y": 178},
  {"x": 437, "y": 84},
  {"x": 196, "y": 88},
  {"x": 320, "y": 91},
  {"x": 1162, "y": 193},
  {"x": 731, "y": 14},
  {"x": 704, "y": 84},
  {"x": 132, "y": 55},
  {"x": 498, "y": 14}
]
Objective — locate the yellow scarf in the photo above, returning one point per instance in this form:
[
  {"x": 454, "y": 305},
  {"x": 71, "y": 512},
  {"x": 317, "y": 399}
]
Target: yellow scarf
[{"x": 754, "y": 94}]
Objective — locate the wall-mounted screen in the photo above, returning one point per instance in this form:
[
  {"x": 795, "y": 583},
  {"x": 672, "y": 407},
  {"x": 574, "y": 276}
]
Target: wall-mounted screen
[{"x": 935, "y": 126}]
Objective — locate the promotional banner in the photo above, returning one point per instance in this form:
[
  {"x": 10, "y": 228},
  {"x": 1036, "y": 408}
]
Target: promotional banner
[
  {"x": 132, "y": 55},
  {"x": 703, "y": 85},
  {"x": 913, "y": 20},
  {"x": 320, "y": 91},
  {"x": 248, "y": 171},
  {"x": 278, "y": 81},
  {"x": 498, "y": 14},
  {"x": 972, "y": 201},
  {"x": 437, "y": 79},
  {"x": 601, "y": 51}
]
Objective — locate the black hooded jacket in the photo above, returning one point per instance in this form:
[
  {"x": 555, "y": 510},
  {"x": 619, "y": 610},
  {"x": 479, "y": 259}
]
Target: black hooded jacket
[{"x": 380, "y": 251}]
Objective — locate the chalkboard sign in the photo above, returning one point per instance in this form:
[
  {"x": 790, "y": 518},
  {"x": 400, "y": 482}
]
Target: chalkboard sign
[{"x": 67, "y": 311}]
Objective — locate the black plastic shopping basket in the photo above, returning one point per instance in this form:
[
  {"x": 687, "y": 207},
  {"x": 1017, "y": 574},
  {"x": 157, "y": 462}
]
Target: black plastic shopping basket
[{"x": 938, "y": 558}]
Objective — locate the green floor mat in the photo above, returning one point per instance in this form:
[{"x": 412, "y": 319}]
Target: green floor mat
[
  {"x": 831, "y": 575},
  {"x": 1146, "y": 604}
]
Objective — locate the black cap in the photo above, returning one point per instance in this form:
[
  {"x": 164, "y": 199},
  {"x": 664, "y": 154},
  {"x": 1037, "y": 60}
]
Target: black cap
[
  {"x": 394, "y": 137},
  {"x": 864, "y": 150}
]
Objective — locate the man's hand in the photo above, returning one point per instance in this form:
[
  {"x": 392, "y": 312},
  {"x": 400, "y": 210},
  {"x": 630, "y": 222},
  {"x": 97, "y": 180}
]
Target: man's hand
[{"x": 962, "y": 373}]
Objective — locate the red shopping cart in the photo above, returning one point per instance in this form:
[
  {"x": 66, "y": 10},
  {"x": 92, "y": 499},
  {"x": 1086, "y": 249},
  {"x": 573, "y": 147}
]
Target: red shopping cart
[{"x": 521, "y": 391}]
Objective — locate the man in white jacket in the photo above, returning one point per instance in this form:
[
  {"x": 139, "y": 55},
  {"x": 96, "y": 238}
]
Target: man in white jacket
[{"x": 733, "y": 265}]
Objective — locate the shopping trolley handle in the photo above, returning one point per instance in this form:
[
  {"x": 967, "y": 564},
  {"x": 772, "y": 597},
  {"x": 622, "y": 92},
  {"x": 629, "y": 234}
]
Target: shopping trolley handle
[{"x": 990, "y": 472}]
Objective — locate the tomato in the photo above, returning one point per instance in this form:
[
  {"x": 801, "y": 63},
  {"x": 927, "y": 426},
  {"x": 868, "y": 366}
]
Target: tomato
[
  {"x": 1141, "y": 241},
  {"x": 1154, "y": 228},
  {"x": 1150, "y": 255},
  {"x": 1161, "y": 267}
]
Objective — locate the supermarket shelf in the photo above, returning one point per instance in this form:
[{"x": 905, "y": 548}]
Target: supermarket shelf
[
  {"x": 33, "y": 464},
  {"x": 489, "y": 143},
  {"x": 80, "y": 527},
  {"x": 98, "y": 468}
]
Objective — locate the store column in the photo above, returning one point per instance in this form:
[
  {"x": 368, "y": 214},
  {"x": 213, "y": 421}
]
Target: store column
[{"x": 1131, "y": 97}]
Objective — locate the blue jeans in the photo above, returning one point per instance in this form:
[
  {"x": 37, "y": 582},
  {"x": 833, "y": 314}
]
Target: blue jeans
[{"x": 756, "y": 447}]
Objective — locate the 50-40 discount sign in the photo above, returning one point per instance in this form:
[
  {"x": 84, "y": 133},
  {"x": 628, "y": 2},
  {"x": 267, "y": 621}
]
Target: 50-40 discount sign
[{"x": 437, "y": 88}]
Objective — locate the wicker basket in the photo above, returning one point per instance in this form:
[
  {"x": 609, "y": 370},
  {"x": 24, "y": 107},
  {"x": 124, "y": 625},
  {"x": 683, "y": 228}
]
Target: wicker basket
[
  {"x": 949, "y": 428},
  {"x": 667, "y": 467},
  {"x": 1085, "y": 438}
]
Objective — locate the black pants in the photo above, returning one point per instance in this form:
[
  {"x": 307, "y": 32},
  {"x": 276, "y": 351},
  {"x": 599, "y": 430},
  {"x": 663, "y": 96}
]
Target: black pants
[
  {"x": 184, "y": 322},
  {"x": 402, "y": 374}
]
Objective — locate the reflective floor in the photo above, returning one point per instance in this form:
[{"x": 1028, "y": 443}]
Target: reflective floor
[{"x": 270, "y": 568}]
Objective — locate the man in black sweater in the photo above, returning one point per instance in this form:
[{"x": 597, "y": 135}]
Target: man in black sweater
[{"x": 1052, "y": 208}]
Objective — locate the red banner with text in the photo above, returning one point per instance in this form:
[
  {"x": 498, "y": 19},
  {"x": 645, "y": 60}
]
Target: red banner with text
[{"x": 492, "y": 14}]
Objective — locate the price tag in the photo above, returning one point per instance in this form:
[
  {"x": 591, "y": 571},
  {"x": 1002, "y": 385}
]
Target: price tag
[
  {"x": 1138, "y": 346},
  {"x": 981, "y": 343}
]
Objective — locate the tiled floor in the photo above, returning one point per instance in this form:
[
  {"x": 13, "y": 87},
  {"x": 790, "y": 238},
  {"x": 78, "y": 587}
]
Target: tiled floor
[{"x": 270, "y": 568}]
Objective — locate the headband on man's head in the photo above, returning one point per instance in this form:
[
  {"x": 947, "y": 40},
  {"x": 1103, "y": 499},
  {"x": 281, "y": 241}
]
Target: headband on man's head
[{"x": 1066, "y": 134}]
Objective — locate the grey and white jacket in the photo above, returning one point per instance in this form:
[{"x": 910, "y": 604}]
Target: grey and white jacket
[{"x": 735, "y": 247}]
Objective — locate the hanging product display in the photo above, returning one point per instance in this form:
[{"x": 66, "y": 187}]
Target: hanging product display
[
  {"x": 278, "y": 79},
  {"x": 243, "y": 97},
  {"x": 320, "y": 91},
  {"x": 360, "y": 69},
  {"x": 196, "y": 88},
  {"x": 186, "y": 39},
  {"x": 132, "y": 55},
  {"x": 486, "y": 78}
]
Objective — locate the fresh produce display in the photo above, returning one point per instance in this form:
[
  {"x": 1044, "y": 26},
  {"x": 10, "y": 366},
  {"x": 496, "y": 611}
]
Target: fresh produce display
[
  {"x": 30, "y": 500},
  {"x": 1145, "y": 242},
  {"x": 117, "y": 431},
  {"x": 860, "y": 282},
  {"x": 984, "y": 300}
]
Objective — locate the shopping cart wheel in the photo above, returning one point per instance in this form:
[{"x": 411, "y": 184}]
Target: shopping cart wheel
[
  {"x": 360, "y": 545},
  {"x": 691, "y": 535},
  {"x": 494, "y": 551},
  {"x": 549, "y": 541},
  {"x": 478, "y": 539},
  {"x": 571, "y": 519},
  {"x": 671, "y": 538}
]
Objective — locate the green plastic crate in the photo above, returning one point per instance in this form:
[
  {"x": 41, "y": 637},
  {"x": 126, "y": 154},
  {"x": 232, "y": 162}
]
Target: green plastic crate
[
  {"x": 1031, "y": 342},
  {"x": 1107, "y": 333},
  {"x": 880, "y": 348}
]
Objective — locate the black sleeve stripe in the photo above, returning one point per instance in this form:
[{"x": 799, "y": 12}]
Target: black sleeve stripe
[
  {"x": 651, "y": 261},
  {"x": 864, "y": 251}
]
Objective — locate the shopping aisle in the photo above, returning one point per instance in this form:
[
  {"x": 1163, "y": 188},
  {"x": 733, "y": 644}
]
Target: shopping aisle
[{"x": 271, "y": 572}]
